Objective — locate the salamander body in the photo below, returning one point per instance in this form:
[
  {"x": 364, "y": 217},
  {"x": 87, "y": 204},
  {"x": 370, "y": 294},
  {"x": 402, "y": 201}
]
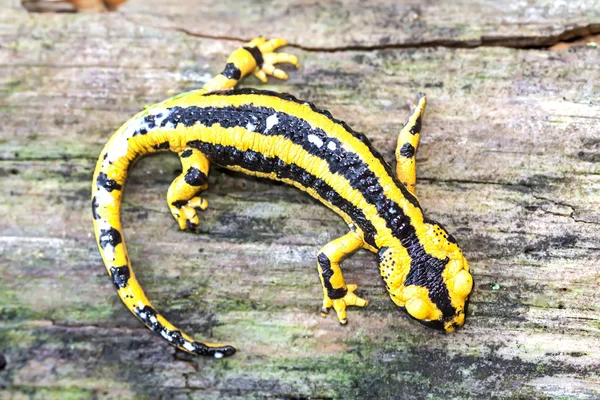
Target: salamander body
[{"x": 276, "y": 136}]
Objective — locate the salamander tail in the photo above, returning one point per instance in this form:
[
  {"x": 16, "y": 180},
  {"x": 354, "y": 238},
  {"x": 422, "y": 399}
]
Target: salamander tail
[{"x": 108, "y": 183}]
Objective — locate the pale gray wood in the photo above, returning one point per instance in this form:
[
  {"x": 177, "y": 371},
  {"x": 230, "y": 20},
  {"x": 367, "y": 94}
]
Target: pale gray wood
[{"x": 509, "y": 162}]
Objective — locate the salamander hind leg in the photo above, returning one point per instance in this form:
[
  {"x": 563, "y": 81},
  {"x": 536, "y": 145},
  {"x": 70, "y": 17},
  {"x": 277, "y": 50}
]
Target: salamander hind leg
[
  {"x": 336, "y": 293},
  {"x": 182, "y": 195},
  {"x": 406, "y": 149}
]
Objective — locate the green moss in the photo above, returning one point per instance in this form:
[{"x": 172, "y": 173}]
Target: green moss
[
  {"x": 13, "y": 313},
  {"x": 15, "y": 336},
  {"x": 81, "y": 314},
  {"x": 60, "y": 393}
]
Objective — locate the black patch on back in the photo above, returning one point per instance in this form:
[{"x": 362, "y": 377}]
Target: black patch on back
[
  {"x": 120, "y": 276},
  {"x": 109, "y": 184},
  {"x": 194, "y": 177},
  {"x": 162, "y": 146},
  {"x": 95, "y": 206},
  {"x": 256, "y": 54},
  {"x": 325, "y": 264},
  {"x": 426, "y": 271},
  {"x": 407, "y": 150},
  {"x": 110, "y": 236},
  {"x": 232, "y": 72}
]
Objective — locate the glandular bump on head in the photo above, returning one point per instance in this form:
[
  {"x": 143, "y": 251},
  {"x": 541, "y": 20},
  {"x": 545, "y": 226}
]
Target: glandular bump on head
[
  {"x": 463, "y": 284},
  {"x": 418, "y": 308}
]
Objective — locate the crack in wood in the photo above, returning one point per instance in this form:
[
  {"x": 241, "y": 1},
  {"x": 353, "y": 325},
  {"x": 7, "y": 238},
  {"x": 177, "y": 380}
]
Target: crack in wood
[
  {"x": 571, "y": 214},
  {"x": 513, "y": 42}
]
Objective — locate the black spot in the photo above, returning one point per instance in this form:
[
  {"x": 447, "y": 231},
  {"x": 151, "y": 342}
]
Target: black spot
[
  {"x": 148, "y": 315},
  {"x": 186, "y": 153},
  {"x": 2, "y": 362},
  {"x": 416, "y": 128},
  {"x": 150, "y": 120},
  {"x": 194, "y": 177},
  {"x": 203, "y": 350},
  {"x": 177, "y": 338},
  {"x": 327, "y": 274},
  {"x": 120, "y": 276},
  {"x": 407, "y": 150},
  {"x": 95, "y": 206},
  {"x": 149, "y": 123},
  {"x": 110, "y": 236},
  {"x": 256, "y": 54},
  {"x": 179, "y": 203},
  {"x": 232, "y": 72},
  {"x": 162, "y": 146},
  {"x": 189, "y": 225},
  {"x": 109, "y": 184}
]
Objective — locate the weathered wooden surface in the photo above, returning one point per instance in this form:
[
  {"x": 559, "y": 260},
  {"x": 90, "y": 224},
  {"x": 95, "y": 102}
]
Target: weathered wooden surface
[
  {"x": 319, "y": 24},
  {"x": 509, "y": 162}
]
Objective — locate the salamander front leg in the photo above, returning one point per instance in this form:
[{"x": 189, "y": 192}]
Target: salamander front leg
[
  {"x": 408, "y": 141},
  {"x": 182, "y": 195},
  {"x": 266, "y": 66},
  {"x": 258, "y": 57},
  {"x": 335, "y": 291}
]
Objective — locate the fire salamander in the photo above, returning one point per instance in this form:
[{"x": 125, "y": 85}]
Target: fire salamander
[{"x": 276, "y": 136}]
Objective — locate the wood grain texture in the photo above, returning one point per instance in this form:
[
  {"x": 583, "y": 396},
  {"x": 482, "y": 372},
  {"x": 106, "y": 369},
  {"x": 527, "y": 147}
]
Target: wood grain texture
[
  {"x": 319, "y": 25},
  {"x": 509, "y": 162}
]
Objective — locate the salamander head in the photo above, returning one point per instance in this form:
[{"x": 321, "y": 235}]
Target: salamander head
[{"x": 428, "y": 277}]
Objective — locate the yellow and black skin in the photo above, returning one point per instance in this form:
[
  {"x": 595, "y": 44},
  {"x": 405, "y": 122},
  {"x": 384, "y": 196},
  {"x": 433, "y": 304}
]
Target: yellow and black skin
[{"x": 276, "y": 136}]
